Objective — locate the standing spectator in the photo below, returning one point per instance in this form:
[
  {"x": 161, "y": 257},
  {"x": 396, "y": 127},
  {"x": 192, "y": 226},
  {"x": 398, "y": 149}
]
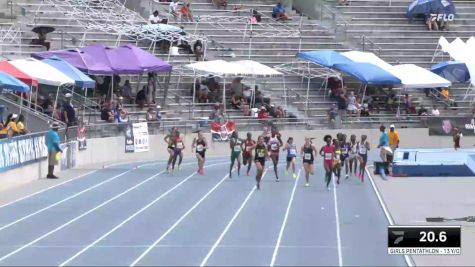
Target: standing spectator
[
  {"x": 393, "y": 138},
  {"x": 457, "y": 136},
  {"x": 154, "y": 18},
  {"x": 237, "y": 87},
  {"x": 409, "y": 106},
  {"x": 10, "y": 127},
  {"x": 173, "y": 8},
  {"x": 52, "y": 142},
  {"x": 422, "y": 111},
  {"x": 68, "y": 114},
  {"x": 383, "y": 144},
  {"x": 152, "y": 87},
  {"x": 47, "y": 106},
  {"x": 20, "y": 124},
  {"x": 435, "y": 111},
  {"x": 141, "y": 97},
  {"x": 127, "y": 92},
  {"x": 278, "y": 12},
  {"x": 198, "y": 49},
  {"x": 352, "y": 107},
  {"x": 185, "y": 11}
]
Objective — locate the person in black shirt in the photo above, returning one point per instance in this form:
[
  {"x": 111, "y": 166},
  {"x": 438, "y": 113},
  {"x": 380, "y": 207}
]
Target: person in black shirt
[{"x": 68, "y": 113}]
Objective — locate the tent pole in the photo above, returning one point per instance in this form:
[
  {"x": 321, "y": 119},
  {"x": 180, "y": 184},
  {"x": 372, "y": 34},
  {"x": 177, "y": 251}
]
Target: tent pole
[
  {"x": 193, "y": 100},
  {"x": 21, "y": 101},
  {"x": 285, "y": 92},
  {"x": 253, "y": 95},
  {"x": 85, "y": 98},
  {"x": 112, "y": 88},
  {"x": 224, "y": 94},
  {"x": 56, "y": 102},
  {"x": 36, "y": 95},
  {"x": 250, "y": 42},
  {"x": 308, "y": 90},
  {"x": 364, "y": 92}
]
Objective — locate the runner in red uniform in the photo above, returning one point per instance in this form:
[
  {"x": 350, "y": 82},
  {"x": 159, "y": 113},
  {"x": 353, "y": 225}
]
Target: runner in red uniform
[
  {"x": 249, "y": 145},
  {"x": 328, "y": 152},
  {"x": 274, "y": 145}
]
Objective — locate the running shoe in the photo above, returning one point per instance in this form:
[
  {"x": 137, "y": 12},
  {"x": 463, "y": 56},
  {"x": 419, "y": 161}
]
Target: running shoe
[
  {"x": 179, "y": 168},
  {"x": 346, "y": 177},
  {"x": 328, "y": 188},
  {"x": 307, "y": 184},
  {"x": 295, "y": 176},
  {"x": 338, "y": 180},
  {"x": 277, "y": 179},
  {"x": 258, "y": 186},
  {"x": 230, "y": 176}
]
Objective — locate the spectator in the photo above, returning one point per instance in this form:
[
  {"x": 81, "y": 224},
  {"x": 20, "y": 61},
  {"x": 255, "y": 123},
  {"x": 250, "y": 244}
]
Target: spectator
[
  {"x": 141, "y": 97},
  {"x": 364, "y": 111},
  {"x": 107, "y": 114},
  {"x": 214, "y": 116},
  {"x": 220, "y": 3},
  {"x": 383, "y": 144},
  {"x": 198, "y": 48},
  {"x": 446, "y": 97},
  {"x": 152, "y": 87},
  {"x": 272, "y": 111},
  {"x": 203, "y": 91},
  {"x": 47, "y": 106},
  {"x": 247, "y": 94},
  {"x": 68, "y": 114},
  {"x": 127, "y": 91},
  {"x": 20, "y": 124},
  {"x": 41, "y": 40},
  {"x": 280, "y": 112},
  {"x": 391, "y": 102},
  {"x": 393, "y": 138},
  {"x": 278, "y": 12},
  {"x": 154, "y": 18},
  {"x": 435, "y": 111},
  {"x": 263, "y": 113},
  {"x": 343, "y": 2},
  {"x": 173, "y": 8},
  {"x": 10, "y": 127},
  {"x": 184, "y": 44},
  {"x": 52, "y": 142},
  {"x": 333, "y": 115},
  {"x": 423, "y": 111},
  {"x": 185, "y": 11},
  {"x": 457, "y": 136},
  {"x": 431, "y": 24},
  {"x": 150, "y": 115},
  {"x": 121, "y": 116},
  {"x": 158, "y": 115},
  {"x": 256, "y": 17},
  {"x": 352, "y": 107},
  {"x": 237, "y": 87},
  {"x": 409, "y": 106},
  {"x": 236, "y": 101}
]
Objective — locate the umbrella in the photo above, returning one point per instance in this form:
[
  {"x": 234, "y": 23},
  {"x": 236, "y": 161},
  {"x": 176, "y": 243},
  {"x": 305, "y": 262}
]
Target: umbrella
[
  {"x": 11, "y": 83},
  {"x": 425, "y": 7},
  {"x": 42, "y": 30},
  {"x": 454, "y": 71}
]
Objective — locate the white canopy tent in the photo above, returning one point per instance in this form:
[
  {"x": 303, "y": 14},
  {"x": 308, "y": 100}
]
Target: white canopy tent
[
  {"x": 225, "y": 69},
  {"x": 413, "y": 76}
]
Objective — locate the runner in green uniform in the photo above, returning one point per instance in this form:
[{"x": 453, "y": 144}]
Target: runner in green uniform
[{"x": 235, "y": 144}]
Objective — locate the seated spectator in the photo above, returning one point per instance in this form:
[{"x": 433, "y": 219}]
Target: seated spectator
[
  {"x": 333, "y": 114},
  {"x": 158, "y": 115},
  {"x": 141, "y": 97},
  {"x": 47, "y": 106},
  {"x": 121, "y": 116},
  {"x": 262, "y": 114},
  {"x": 198, "y": 49},
  {"x": 107, "y": 114},
  {"x": 278, "y": 12},
  {"x": 391, "y": 102},
  {"x": 220, "y": 3},
  {"x": 236, "y": 102},
  {"x": 446, "y": 97},
  {"x": 214, "y": 116},
  {"x": 203, "y": 92},
  {"x": 408, "y": 105},
  {"x": 272, "y": 111},
  {"x": 150, "y": 115},
  {"x": 236, "y": 86},
  {"x": 256, "y": 17},
  {"x": 435, "y": 111},
  {"x": 246, "y": 108},
  {"x": 184, "y": 44},
  {"x": 20, "y": 124},
  {"x": 41, "y": 40},
  {"x": 185, "y": 12},
  {"x": 173, "y": 8},
  {"x": 280, "y": 112},
  {"x": 154, "y": 18},
  {"x": 423, "y": 111},
  {"x": 9, "y": 127},
  {"x": 126, "y": 92},
  {"x": 364, "y": 110},
  {"x": 343, "y": 2},
  {"x": 247, "y": 94},
  {"x": 431, "y": 24}
]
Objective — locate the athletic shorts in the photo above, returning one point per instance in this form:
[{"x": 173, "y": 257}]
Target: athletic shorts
[
  {"x": 262, "y": 161},
  {"x": 177, "y": 151},
  {"x": 171, "y": 147},
  {"x": 202, "y": 154},
  {"x": 274, "y": 155},
  {"x": 308, "y": 161},
  {"x": 289, "y": 159},
  {"x": 364, "y": 157},
  {"x": 235, "y": 155},
  {"x": 246, "y": 156}
]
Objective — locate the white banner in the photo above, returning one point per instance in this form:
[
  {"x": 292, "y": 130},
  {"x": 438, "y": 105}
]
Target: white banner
[{"x": 140, "y": 133}]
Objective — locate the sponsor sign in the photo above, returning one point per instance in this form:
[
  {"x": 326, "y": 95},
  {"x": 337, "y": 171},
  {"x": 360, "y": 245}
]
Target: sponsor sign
[
  {"x": 136, "y": 137},
  {"x": 445, "y": 126},
  {"x": 22, "y": 150}
]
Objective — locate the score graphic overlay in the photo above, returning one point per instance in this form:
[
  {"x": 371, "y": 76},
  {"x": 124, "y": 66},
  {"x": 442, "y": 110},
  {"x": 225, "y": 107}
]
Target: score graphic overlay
[{"x": 424, "y": 240}]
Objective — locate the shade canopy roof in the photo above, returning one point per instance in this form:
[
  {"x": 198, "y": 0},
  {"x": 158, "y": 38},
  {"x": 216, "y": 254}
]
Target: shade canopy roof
[
  {"x": 6, "y": 67},
  {"x": 244, "y": 68},
  {"x": 44, "y": 73},
  {"x": 11, "y": 83},
  {"x": 80, "y": 79}
]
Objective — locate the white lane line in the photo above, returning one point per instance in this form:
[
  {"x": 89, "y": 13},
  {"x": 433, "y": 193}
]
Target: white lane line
[
  {"x": 131, "y": 217},
  {"x": 337, "y": 218},
  {"x": 46, "y": 189},
  {"x": 284, "y": 222},
  {"x": 407, "y": 258},
  {"x": 226, "y": 229},
  {"x": 79, "y": 217},
  {"x": 63, "y": 200},
  {"x": 134, "y": 263}
]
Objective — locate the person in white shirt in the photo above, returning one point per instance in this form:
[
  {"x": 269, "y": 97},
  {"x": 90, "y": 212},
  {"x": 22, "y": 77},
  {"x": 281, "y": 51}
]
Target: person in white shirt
[
  {"x": 435, "y": 111},
  {"x": 173, "y": 8},
  {"x": 154, "y": 18}
]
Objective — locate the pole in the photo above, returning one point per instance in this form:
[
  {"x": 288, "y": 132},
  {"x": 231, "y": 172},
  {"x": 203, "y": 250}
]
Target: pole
[
  {"x": 224, "y": 94},
  {"x": 165, "y": 92},
  {"x": 250, "y": 43},
  {"x": 308, "y": 90},
  {"x": 55, "y": 101},
  {"x": 364, "y": 92},
  {"x": 285, "y": 92},
  {"x": 193, "y": 100},
  {"x": 85, "y": 98}
]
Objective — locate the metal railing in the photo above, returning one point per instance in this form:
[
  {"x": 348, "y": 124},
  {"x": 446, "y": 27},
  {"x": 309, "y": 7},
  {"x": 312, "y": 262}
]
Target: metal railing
[{"x": 369, "y": 45}]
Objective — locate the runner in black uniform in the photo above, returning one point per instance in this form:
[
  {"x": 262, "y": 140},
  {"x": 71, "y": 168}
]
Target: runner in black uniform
[
  {"x": 308, "y": 151},
  {"x": 236, "y": 145},
  {"x": 363, "y": 148},
  {"x": 200, "y": 145},
  {"x": 249, "y": 145},
  {"x": 170, "y": 140},
  {"x": 260, "y": 160}
]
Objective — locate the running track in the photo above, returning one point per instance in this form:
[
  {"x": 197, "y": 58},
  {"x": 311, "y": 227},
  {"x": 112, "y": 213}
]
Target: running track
[{"x": 125, "y": 216}]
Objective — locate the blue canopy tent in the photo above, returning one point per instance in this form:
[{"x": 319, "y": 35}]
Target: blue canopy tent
[
  {"x": 425, "y": 7},
  {"x": 326, "y": 58},
  {"x": 11, "y": 83},
  {"x": 454, "y": 71},
  {"x": 81, "y": 80}
]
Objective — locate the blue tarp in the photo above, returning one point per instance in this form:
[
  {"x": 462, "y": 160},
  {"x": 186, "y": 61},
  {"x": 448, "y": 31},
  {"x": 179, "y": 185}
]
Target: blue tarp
[
  {"x": 368, "y": 73},
  {"x": 425, "y": 7},
  {"x": 11, "y": 83},
  {"x": 454, "y": 71},
  {"x": 324, "y": 58},
  {"x": 81, "y": 80}
]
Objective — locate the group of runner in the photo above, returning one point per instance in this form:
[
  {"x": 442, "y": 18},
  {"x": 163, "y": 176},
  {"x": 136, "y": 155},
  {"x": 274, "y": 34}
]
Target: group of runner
[{"x": 337, "y": 153}]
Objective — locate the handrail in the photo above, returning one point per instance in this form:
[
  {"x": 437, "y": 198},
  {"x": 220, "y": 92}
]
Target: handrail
[{"x": 374, "y": 46}]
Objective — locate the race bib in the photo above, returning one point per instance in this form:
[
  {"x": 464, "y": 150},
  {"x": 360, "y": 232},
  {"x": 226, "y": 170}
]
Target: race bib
[
  {"x": 307, "y": 156},
  {"x": 362, "y": 150},
  {"x": 292, "y": 151},
  {"x": 237, "y": 148},
  {"x": 179, "y": 145},
  {"x": 274, "y": 147},
  {"x": 248, "y": 148},
  {"x": 260, "y": 154},
  {"x": 344, "y": 150},
  {"x": 328, "y": 156},
  {"x": 199, "y": 148}
]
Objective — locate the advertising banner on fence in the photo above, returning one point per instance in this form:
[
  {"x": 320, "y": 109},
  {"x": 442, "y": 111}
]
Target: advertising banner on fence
[
  {"x": 68, "y": 157},
  {"x": 136, "y": 137},
  {"x": 21, "y": 151},
  {"x": 82, "y": 143},
  {"x": 445, "y": 126}
]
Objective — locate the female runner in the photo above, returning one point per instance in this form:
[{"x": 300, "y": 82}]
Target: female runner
[
  {"x": 308, "y": 151},
  {"x": 170, "y": 140},
  {"x": 274, "y": 145},
  {"x": 291, "y": 149},
  {"x": 260, "y": 160},
  {"x": 353, "y": 154},
  {"x": 249, "y": 145},
  {"x": 363, "y": 149},
  {"x": 178, "y": 153},
  {"x": 328, "y": 152},
  {"x": 236, "y": 147},
  {"x": 200, "y": 145},
  {"x": 337, "y": 160}
]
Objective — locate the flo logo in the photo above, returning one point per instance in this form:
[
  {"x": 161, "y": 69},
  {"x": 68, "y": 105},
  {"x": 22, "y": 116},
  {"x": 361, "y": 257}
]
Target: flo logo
[
  {"x": 471, "y": 125},
  {"x": 444, "y": 17}
]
